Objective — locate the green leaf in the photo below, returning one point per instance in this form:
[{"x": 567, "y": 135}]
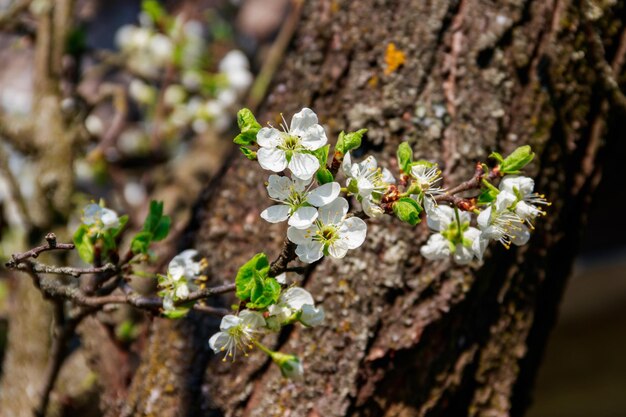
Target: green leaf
[
  {"x": 405, "y": 157},
  {"x": 83, "y": 243},
  {"x": 487, "y": 196},
  {"x": 248, "y": 153},
  {"x": 109, "y": 241},
  {"x": 141, "y": 242},
  {"x": 177, "y": 313},
  {"x": 247, "y": 122},
  {"x": 322, "y": 155},
  {"x": 324, "y": 176},
  {"x": 349, "y": 141},
  {"x": 153, "y": 9},
  {"x": 162, "y": 229},
  {"x": 249, "y": 274},
  {"x": 517, "y": 160},
  {"x": 497, "y": 157},
  {"x": 154, "y": 216},
  {"x": 407, "y": 210},
  {"x": 245, "y": 138},
  {"x": 266, "y": 293}
]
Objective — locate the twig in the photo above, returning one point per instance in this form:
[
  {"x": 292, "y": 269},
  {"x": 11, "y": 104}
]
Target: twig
[
  {"x": 63, "y": 270},
  {"x": 287, "y": 255},
  {"x": 51, "y": 244}
]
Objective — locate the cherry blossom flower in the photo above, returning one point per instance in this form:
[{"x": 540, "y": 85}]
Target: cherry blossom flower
[
  {"x": 292, "y": 147},
  {"x": 237, "y": 333},
  {"x": 331, "y": 234},
  {"x": 297, "y": 202},
  {"x": 368, "y": 182}
]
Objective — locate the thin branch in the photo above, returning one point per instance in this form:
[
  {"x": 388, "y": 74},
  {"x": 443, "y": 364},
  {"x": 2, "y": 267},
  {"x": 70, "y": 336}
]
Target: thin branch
[
  {"x": 63, "y": 270},
  {"x": 51, "y": 244}
]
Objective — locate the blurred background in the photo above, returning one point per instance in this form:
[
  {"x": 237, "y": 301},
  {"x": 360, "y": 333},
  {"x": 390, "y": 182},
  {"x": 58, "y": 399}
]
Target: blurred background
[{"x": 584, "y": 370}]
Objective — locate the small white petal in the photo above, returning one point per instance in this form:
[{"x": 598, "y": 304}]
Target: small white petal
[
  {"x": 302, "y": 121},
  {"x": 268, "y": 137},
  {"x": 296, "y": 297},
  {"x": 371, "y": 209},
  {"x": 272, "y": 159},
  {"x": 523, "y": 185},
  {"x": 218, "y": 341},
  {"x": 314, "y": 138},
  {"x": 279, "y": 187},
  {"x": 437, "y": 247},
  {"x": 276, "y": 214},
  {"x": 462, "y": 255},
  {"x": 300, "y": 236},
  {"x": 229, "y": 321},
  {"x": 91, "y": 213},
  {"x": 346, "y": 165},
  {"x": 182, "y": 291},
  {"x": 338, "y": 249},
  {"x": 520, "y": 236},
  {"x": 310, "y": 252},
  {"x": 281, "y": 278},
  {"x": 352, "y": 232},
  {"x": 312, "y": 316},
  {"x": 251, "y": 319},
  {"x": 302, "y": 166},
  {"x": 334, "y": 212},
  {"x": 483, "y": 218},
  {"x": 303, "y": 217},
  {"x": 324, "y": 194}
]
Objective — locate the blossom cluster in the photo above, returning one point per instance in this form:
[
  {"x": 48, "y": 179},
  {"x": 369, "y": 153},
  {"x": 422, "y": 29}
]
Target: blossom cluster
[{"x": 317, "y": 193}]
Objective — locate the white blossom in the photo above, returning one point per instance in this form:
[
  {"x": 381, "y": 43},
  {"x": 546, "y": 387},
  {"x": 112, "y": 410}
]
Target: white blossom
[
  {"x": 427, "y": 176},
  {"x": 294, "y": 303},
  {"x": 498, "y": 222},
  {"x": 180, "y": 279},
  {"x": 100, "y": 218},
  {"x": 368, "y": 182},
  {"x": 525, "y": 204},
  {"x": 455, "y": 236},
  {"x": 237, "y": 333},
  {"x": 290, "y": 366},
  {"x": 331, "y": 234},
  {"x": 297, "y": 202},
  {"x": 291, "y": 148}
]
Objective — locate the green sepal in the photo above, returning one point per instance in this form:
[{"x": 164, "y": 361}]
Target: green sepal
[
  {"x": 407, "y": 210},
  {"x": 117, "y": 230},
  {"x": 405, "y": 157},
  {"x": 248, "y": 153},
  {"x": 83, "y": 243},
  {"x": 249, "y": 274},
  {"x": 487, "y": 196},
  {"x": 349, "y": 141},
  {"x": 322, "y": 155},
  {"x": 517, "y": 160},
  {"x": 323, "y": 176}
]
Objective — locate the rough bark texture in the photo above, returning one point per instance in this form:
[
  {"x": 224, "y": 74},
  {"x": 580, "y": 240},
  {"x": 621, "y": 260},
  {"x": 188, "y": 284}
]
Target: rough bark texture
[{"x": 406, "y": 337}]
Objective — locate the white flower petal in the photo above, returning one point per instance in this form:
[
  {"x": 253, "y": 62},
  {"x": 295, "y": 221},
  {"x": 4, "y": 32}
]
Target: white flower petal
[
  {"x": 462, "y": 255},
  {"x": 388, "y": 176},
  {"x": 346, "y": 165},
  {"x": 353, "y": 232},
  {"x": 334, "y": 212},
  {"x": 524, "y": 185},
  {"x": 219, "y": 341},
  {"x": 312, "y": 316},
  {"x": 229, "y": 321},
  {"x": 302, "y": 121},
  {"x": 520, "y": 236},
  {"x": 276, "y": 213},
  {"x": 268, "y": 137},
  {"x": 314, "y": 138},
  {"x": 303, "y": 217},
  {"x": 303, "y": 166},
  {"x": 91, "y": 213},
  {"x": 483, "y": 218},
  {"x": 281, "y": 278},
  {"x": 310, "y": 252},
  {"x": 251, "y": 319},
  {"x": 504, "y": 200},
  {"x": 437, "y": 247},
  {"x": 338, "y": 249},
  {"x": 182, "y": 291},
  {"x": 279, "y": 187},
  {"x": 272, "y": 159},
  {"x": 371, "y": 209},
  {"x": 296, "y": 297},
  {"x": 300, "y": 236},
  {"x": 324, "y": 194}
]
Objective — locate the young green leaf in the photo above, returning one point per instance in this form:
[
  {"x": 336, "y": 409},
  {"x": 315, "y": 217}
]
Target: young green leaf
[
  {"x": 83, "y": 243},
  {"x": 517, "y": 160},
  {"x": 249, "y": 275},
  {"x": 154, "y": 216},
  {"x": 322, "y": 155},
  {"x": 248, "y": 153},
  {"x": 405, "y": 157},
  {"x": 407, "y": 210},
  {"x": 141, "y": 242},
  {"x": 349, "y": 141},
  {"x": 497, "y": 157},
  {"x": 162, "y": 229},
  {"x": 487, "y": 196},
  {"x": 266, "y": 293}
]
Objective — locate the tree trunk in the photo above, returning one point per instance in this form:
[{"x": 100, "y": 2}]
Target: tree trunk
[{"x": 405, "y": 336}]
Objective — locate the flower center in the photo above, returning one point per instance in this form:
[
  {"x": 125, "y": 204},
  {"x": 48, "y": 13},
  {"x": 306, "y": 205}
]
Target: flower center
[
  {"x": 291, "y": 142},
  {"x": 327, "y": 234}
]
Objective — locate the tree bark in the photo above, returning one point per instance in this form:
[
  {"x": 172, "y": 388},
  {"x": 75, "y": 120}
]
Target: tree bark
[{"x": 405, "y": 336}]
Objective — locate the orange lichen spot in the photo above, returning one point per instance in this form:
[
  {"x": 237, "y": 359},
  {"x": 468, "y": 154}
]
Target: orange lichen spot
[
  {"x": 334, "y": 6},
  {"x": 373, "y": 82},
  {"x": 393, "y": 58}
]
